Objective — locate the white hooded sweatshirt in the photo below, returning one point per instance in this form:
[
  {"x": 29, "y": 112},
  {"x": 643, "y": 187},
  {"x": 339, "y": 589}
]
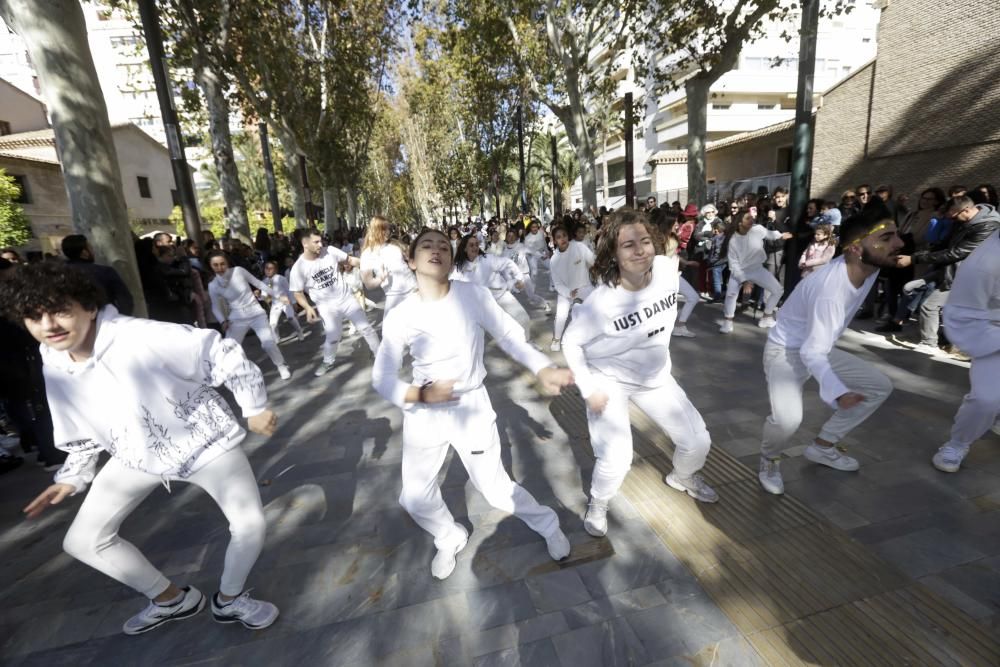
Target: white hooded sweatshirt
[
  {"x": 146, "y": 397},
  {"x": 498, "y": 274}
]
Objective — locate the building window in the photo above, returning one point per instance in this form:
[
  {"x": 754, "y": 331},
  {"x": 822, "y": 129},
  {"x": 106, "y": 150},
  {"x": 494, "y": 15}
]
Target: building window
[
  {"x": 768, "y": 107},
  {"x": 175, "y": 198},
  {"x": 866, "y": 40},
  {"x": 24, "y": 196},
  {"x": 144, "y": 187},
  {"x": 4, "y": 128},
  {"x": 721, "y": 107}
]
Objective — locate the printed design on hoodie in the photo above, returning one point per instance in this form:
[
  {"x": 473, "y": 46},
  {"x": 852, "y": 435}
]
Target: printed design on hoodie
[
  {"x": 247, "y": 379},
  {"x": 126, "y": 454},
  {"x": 206, "y": 417},
  {"x": 160, "y": 442},
  {"x": 82, "y": 455}
]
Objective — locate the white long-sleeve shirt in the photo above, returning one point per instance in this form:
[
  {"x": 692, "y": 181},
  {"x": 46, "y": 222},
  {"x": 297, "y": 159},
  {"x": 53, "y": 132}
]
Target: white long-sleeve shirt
[
  {"x": 536, "y": 243},
  {"x": 815, "y": 316},
  {"x": 498, "y": 274},
  {"x": 388, "y": 260},
  {"x": 972, "y": 314},
  {"x": 571, "y": 269},
  {"x": 445, "y": 340},
  {"x": 625, "y": 334},
  {"x": 146, "y": 397},
  {"x": 746, "y": 251},
  {"x": 517, "y": 253},
  {"x": 321, "y": 277},
  {"x": 278, "y": 284},
  {"x": 232, "y": 291}
]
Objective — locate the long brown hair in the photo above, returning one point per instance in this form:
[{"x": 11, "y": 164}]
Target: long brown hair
[
  {"x": 377, "y": 234},
  {"x": 605, "y": 269}
]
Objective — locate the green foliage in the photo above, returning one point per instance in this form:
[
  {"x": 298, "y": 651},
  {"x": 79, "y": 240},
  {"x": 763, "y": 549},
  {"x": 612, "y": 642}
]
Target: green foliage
[{"x": 15, "y": 229}]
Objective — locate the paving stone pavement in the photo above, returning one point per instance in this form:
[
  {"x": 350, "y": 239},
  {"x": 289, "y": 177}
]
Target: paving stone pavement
[{"x": 350, "y": 570}]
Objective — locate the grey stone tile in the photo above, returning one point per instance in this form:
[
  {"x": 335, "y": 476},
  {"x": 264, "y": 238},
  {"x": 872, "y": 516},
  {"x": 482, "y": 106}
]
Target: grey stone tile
[
  {"x": 686, "y": 626},
  {"x": 956, "y": 597},
  {"x": 557, "y": 590},
  {"x": 536, "y": 654},
  {"x": 926, "y": 552},
  {"x": 498, "y": 605},
  {"x": 729, "y": 652},
  {"x": 610, "y": 643},
  {"x": 977, "y": 580},
  {"x": 423, "y": 623},
  {"x": 841, "y": 516},
  {"x": 511, "y": 635},
  {"x": 602, "y": 609}
]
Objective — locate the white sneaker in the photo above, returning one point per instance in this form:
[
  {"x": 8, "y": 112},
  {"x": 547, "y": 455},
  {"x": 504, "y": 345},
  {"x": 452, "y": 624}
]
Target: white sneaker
[
  {"x": 557, "y": 545},
  {"x": 949, "y": 458},
  {"x": 444, "y": 560},
  {"x": 727, "y": 327},
  {"x": 284, "y": 372},
  {"x": 253, "y": 614},
  {"x": 682, "y": 331},
  {"x": 155, "y": 615},
  {"x": 770, "y": 476},
  {"x": 596, "y": 520},
  {"x": 548, "y": 308},
  {"x": 831, "y": 457},
  {"x": 555, "y": 347},
  {"x": 695, "y": 486},
  {"x": 929, "y": 350},
  {"x": 766, "y": 322},
  {"x": 323, "y": 368}
]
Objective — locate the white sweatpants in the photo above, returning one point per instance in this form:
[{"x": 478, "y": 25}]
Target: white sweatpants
[
  {"x": 468, "y": 425},
  {"x": 116, "y": 492},
  {"x": 530, "y": 294},
  {"x": 238, "y": 330},
  {"x": 277, "y": 308},
  {"x": 691, "y": 299},
  {"x": 564, "y": 305},
  {"x": 786, "y": 375},
  {"x": 981, "y": 405},
  {"x": 758, "y": 276},
  {"x": 332, "y": 313},
  {"x": 512, "y": 307},
  {"x": 611, "y": 432}
]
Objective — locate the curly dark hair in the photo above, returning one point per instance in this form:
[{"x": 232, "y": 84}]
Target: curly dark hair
[
  {"x": 605, "y": 269},
  {"x": 48, "y": 287}
]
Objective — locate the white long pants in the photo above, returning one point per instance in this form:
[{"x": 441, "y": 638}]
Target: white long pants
[
  {"x": 611, "y": 432},
  {"x": 786, "y": 376},
  {"x": 238, "y": 330},
  {"x": 564, "y": 305},
  {"x": 691, "y": 299},
  {"x": 468, "y": 425},
  {"x": 758, "y": 276},
  {"x": 510, "y": 305},
  {"x": 530, "y": 294},
  {"x": 981, "y": 405},
  {"x": 332, "y": 313},
  {"x": 277, "y": 308},
  {"x": 116, "y": 492}
]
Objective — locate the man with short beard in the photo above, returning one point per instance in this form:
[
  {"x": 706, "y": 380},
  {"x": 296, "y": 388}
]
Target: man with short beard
[{"x": 801, "y": 346}]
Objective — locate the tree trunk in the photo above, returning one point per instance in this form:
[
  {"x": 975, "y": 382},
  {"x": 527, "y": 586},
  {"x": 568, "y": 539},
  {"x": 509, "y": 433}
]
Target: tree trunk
[
  {"x": 290, "y": 168},
  {"x": 697, "y": 121},
  {"x": 56, "y": 35},
  {"x": 575, "y": 123},
  {"x": 330, "y": 209},
  {"x": 213, "y": 87},
  {"x": 352, "y": 206}
]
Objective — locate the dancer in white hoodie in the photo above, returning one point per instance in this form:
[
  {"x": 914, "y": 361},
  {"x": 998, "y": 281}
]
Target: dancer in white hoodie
[
  {"x": 237, "y": 309},
  {"x": 517, "y": 252},
  {"x": 746, "y": 267},
  {"x": 497, "y": 274},
  {"x": 318, "y": 270},
  {"x": 442, "y": 326},
  {"x": 142, "y": 391},
  {"x": 570, "y": 268},
  {"x": 618, "y": 349},
  {"x": 538, "y": 247},
  {"x": 383, "y": 264},
  {"x": 281, "y": 302}
]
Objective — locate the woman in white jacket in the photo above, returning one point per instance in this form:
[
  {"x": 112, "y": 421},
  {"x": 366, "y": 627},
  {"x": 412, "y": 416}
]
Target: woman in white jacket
[
  {"x": 497, "y": 274},
  {"x": 237, "y": 310},
  {"x": 618, "y": 349},
  {"x": 746, "y": 267},
  {"x": 383, "y": 264},
  {"x": 570, "y": 269},
  {"x": 445, "y": 405},
  {"x": 142, "y": 391}
]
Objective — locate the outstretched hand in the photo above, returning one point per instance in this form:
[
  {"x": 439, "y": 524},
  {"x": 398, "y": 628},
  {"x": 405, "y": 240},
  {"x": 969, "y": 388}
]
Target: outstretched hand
[
  {"x": 554, "y": 379},
  {"x": 264, "y": 423},
  {"x": 53, "y": 495},
  {"x": 849, "y": 400}
]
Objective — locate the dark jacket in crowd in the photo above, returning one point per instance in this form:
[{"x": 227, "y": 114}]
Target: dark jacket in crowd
[
  {"x": 105, "y": 276},
  {"x": 965, "y": 238}
]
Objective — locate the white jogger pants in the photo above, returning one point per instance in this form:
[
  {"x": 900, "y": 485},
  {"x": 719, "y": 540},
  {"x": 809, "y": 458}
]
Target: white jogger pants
[
  {"x": 238, "y": 330},
  {"x": 691, "y": 299},
  {"x": 510, "y": 305},
  {"x": 118, "y": 490},
  {"x": 332, "y": 313},
  {"x": 564, "y": 305},
  {"x": 277, "y": 309},
  {"x": 786, "y": 375},
  {"x": 611, "y": 432},
  {"x": 758, "y": 276},
  {"x": 468, "y": 425},
  {"x": 981, "y": 405}
]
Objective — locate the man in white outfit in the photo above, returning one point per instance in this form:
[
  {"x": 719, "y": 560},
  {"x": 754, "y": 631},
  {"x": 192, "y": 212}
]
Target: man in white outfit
[
  {"x": 570, "y": 269},
  {"x": 972, "y": 322},
  {"x": 746, "y": 267},
  {"x": 801, "y": 346}
]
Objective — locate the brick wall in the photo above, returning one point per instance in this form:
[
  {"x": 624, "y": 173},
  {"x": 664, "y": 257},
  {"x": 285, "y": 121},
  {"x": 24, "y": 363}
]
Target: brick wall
[{"x": 926, "y": 113}]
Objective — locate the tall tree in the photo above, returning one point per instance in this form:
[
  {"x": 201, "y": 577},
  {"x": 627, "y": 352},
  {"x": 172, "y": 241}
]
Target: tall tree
[
  {"x": 15, "y": 229},
  {"x": 56, "y": 35}
]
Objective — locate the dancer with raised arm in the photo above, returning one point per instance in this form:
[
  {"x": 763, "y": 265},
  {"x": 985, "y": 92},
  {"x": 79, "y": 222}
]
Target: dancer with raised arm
[
  {"x": 746, "y": 269},
  {"x": 442, "y": 327},
  {"x": 496, "y": 273}
]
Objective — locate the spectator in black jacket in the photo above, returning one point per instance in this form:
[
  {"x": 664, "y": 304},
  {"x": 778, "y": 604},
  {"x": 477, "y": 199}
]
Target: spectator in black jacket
[{"x": 80, "y": 255}]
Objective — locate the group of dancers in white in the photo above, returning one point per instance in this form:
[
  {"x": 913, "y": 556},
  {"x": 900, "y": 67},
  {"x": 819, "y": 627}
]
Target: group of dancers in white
[{"x": 142, "y": 391}]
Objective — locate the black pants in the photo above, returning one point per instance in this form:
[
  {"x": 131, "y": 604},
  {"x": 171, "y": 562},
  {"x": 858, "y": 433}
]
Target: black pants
[{"x": 34, "y": 425}]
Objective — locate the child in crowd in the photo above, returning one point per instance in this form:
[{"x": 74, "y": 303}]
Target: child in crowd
[{"x": 819, "y": 252}]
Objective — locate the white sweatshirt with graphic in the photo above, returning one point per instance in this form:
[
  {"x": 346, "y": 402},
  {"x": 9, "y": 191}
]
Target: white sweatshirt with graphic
[{"x": 146, "y": 397}]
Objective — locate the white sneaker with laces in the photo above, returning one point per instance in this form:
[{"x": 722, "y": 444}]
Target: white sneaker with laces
[
  {"x": 558, "y": 545},
  {"x": 727, "y": 327},
  {"x": 682, "y": 331},
  {"x": 770, "y": 476},
  {"x": 555, "y": 347},
  {"x": 444, "y": 560},
  {"x": 949, "y": 458},
  {"x": 929, "y": 350},
  {"x": 253, "y": 614},
  {"x": 831, "y": 457},
  {"x": 596, "y": 520},
  {"x": 323, "y": 368},
  {"x": 155, "y": 615},
  {"x": 284, "y": 372},
  {"x": 695, "y": 486},
  {"x": 766, "y": 322}
]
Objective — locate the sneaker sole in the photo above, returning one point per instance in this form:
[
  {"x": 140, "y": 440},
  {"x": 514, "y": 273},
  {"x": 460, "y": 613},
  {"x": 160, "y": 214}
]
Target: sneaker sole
[
  {"x": 946, "y": 468},
  {"x": 681, "y": 487},
  {"x": 773, "y": 491},
  {"x": 830, "y": 465},
  {"x": 593, "y": 532},
  {"x": 230, "y": 619},
  {"x": 178, "y": 617}
]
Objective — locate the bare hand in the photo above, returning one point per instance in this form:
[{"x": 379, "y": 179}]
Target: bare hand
[
  {"x": 554, "y": 379},
  {"x": 311, "y": 315},
  {"x": 572, "y": 294},
  {"x": 771, "y": 215},
  {"x": 439, "y": 391},
  {"x": 519, "y": 285},
  {"x": 53, "y": 495},
  {"x": 786, "y": 235},
  {"x": 264, "y": 423},
  {"x": 849, "y": 400},
  {"x": 225, "y": 326},
  {"x": 597, "y": 401},
  {"x": 904, "y": 261},
  {"x": 747, "y": 288}
]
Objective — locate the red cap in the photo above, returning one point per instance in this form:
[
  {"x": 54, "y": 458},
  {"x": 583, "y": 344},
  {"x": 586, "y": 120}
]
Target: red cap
[{"x": 691, "y": 211}]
